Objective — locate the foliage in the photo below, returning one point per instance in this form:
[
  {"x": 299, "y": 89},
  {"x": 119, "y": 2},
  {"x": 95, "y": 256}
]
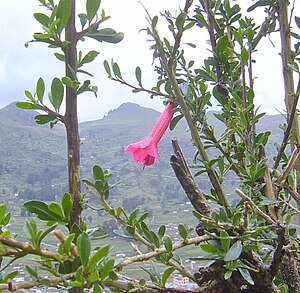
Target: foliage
[{"x": 250, "y": 243}]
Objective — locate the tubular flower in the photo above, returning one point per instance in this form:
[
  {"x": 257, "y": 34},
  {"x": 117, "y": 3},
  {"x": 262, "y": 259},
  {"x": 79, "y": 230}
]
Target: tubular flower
[{"x": 145, "y": 151}]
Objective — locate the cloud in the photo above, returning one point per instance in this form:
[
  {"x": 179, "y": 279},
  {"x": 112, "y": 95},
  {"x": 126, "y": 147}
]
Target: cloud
[{"x": 20, "y": 67}]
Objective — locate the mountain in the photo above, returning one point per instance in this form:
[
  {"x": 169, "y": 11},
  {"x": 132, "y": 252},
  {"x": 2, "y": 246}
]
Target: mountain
[{"x": 33, "y": 157}]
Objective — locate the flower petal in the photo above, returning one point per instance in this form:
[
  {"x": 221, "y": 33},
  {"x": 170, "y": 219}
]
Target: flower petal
[{"x": 145, "y": 151}]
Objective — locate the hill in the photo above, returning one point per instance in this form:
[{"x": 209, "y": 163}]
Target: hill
[{"x": 33, "y": 157}]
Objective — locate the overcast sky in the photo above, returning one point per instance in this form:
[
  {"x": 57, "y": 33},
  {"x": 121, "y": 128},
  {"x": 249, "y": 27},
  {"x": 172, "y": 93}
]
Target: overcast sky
[{"x": 20, "y": 67}]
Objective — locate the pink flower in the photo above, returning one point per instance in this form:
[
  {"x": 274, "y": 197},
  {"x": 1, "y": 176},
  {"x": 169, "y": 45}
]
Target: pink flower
[{"x": 145, "y": 151}]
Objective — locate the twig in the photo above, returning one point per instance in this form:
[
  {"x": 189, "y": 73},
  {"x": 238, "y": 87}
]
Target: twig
[
  {"x": 270, "y": 191},
  {"x": 141, "y": 89},
  {"x": 127, "y": 285},
  {"x": 27, "y": 248},
  {"x": 288, "y": 129},
  {"x": 291, "y": 164},
  {"x": 263, "y": 29},
  {"x": 295, "y": 195},
  {"x": 108, "y": 208},
  {"x": 159, "y": 251},
  {"x": 30, "y": 284},
  {"x": 256, "y": 209}
]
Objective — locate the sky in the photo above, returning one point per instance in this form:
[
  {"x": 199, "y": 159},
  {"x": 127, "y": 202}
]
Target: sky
[{"x": 20, "y": 67}]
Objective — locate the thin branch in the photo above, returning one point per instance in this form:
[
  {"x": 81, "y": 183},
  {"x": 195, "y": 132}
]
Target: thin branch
[
  {"x": 256, "y": 209},
  {"x": 287, "y": 133},
  {"x": 132, "y": 284},
  {"x": 295, "y": 195},
  {"x": 290, "y": 166},
  {"x": 27, "y": 248},
  {"x": 159, "y": 251},
  {"x": 263, "y": 28},
  {"x": 211, "y": 31},
  {"x": 141, "y": 89},
  {"x": 108, "y": 208},
  {"x": 30, "y": 284}
]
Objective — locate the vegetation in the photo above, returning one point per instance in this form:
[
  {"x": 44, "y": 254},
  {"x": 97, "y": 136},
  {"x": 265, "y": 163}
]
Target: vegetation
[{"x": 247, "y": 236}]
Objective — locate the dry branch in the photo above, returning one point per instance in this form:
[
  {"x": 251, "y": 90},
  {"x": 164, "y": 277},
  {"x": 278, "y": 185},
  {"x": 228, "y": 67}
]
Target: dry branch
[{"x": 187, "y": 181}]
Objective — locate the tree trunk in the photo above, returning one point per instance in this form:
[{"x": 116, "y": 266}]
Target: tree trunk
[{"x": 71, "y": 122}]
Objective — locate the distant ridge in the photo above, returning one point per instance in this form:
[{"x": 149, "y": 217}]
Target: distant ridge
[
  {"x": 32, "y": 155},
  {"x": 16, "y": 117}
]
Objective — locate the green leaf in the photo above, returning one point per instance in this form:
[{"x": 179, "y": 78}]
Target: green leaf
[
  {"x": 40, "y": 89},
  {"x": 63, "y": 13},
  {"x": 167, "y": 273},
  {"x": 31, "y": 231},
  {"x": 260, "y": 3},
  {"x": 42, "y": 211},
  {"x": 116, "y": 70},
  {"x": 132, "y": 216},
  {"x": 92, "y": 7},
  {"x": 180, "y": 21},
  {"x": 297, "y": 20},
  {"x": 10, "y": 276},
  {"x": 28, "y": 106},
  {"x": 225, "y": 240},
  {"x": 68, "y": 243},
  {"x": 154, "y": 22},
  {"x": 43, "y": 119},
  {"x": 83, "y": 19},
  {"x": 97, "y": 289},
  {"x": 161, "y": 231},
  {"x": 84, "y": 248},
  {"x": 98, "y": 173},
  {"x": 106, "y": 269},
  {"x": 222, "y": 44},
  {"x": 98, "y": 256},
  {"x": 94, "y": 276},
  {"x": 209, "y": 248},
  {"x": 2, "y": 211},
  {"x": 138, "y": 75},
  {"x": 182, "y": 231},
  {"x": 33, "y": 273},
  {"x": 108, "y": 35},
  {"x": 43, "y": 19},
  {"x": 175, "y": 120},
  {"x": 130, "y": 230},
  {"x": 107, "y": 68},
  {"x": 55, "y": 208},
  {"x": 67, "y": 204},
  {"x": 57, "y": 93},
  {"x": 89, "y": 57},
  {"x": 45, "y": 233},
  {"x": 60, "y": 57},
  {"x": 227, "y": 275},
  {"x": 244, "y": 56},
  {"x": 246, "y": 275},
  {"x": 29, "y": 95},
  {"x": 234, "y": 252},
  {"x": 168, "y": 243}
]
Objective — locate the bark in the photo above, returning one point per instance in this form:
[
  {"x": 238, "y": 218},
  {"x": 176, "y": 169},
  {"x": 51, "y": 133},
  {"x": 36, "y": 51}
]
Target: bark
[
  {"x": 187, "y": 181},
  {"x": 287, "y": 60},
  {"x": 71, "y": 123}
]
